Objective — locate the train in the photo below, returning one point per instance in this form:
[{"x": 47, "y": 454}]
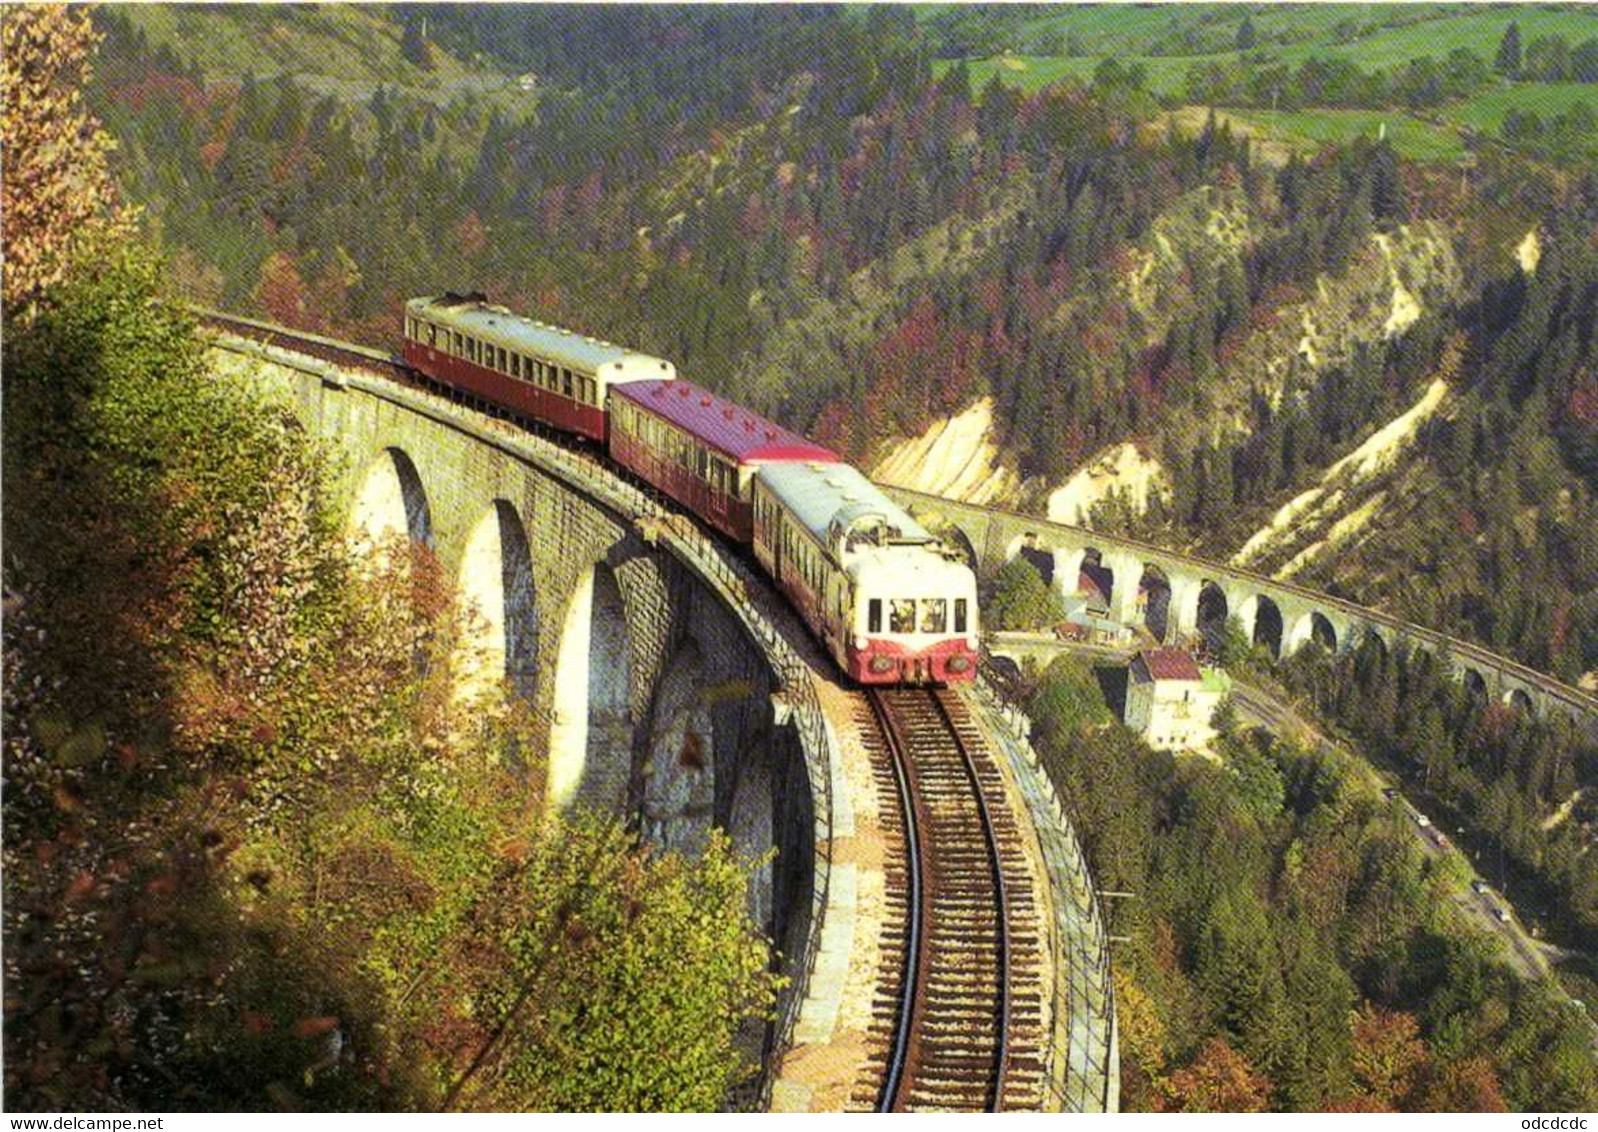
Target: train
[{"x": 888, "y": 601}]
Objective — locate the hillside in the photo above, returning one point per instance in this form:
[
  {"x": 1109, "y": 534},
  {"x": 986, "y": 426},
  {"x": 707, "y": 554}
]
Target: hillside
[
  {"x": 824, "y": 227},
  {"x": 1231, "y": 288}
]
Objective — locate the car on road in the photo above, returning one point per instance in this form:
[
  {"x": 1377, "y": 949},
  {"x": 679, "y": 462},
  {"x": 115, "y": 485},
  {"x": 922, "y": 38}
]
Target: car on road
[
  {"x": 1480, "y": 887},
  {"x": 1390, "y": 793},
  {"x": 1420, "y": 819},
  {"x": 1501, "y": 913},
  {"x": 1438, "y": 839}
]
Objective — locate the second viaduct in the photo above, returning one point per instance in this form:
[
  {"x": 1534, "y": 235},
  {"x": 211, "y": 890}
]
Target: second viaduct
[{"x": 1278, "y": 614}]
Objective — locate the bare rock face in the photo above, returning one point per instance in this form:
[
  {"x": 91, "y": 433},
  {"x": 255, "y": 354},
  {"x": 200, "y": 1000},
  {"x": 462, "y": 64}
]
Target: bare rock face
[{"x": 956, "y": 457}]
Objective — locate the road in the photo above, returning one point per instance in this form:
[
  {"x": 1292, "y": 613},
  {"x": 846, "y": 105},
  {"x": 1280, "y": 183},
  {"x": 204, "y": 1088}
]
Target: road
[{"x": 1479, "y": 904}]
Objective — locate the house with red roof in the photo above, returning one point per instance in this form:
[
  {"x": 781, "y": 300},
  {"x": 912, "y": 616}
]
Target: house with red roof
[{"x": 1170, "y": 699}]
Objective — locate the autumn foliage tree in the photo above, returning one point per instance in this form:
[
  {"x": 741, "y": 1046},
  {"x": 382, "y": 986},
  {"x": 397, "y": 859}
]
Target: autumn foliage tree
[
  {"x": 1219, "y": 1080},
  {"x": 58, "y": 190},
  {"x": 1388, "y": 1054}
]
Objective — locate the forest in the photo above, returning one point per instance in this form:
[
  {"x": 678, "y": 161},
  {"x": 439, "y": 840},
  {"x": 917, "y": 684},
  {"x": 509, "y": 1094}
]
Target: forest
[
  {"x": 840, "y": 228},
  {"x": 1323, "y": 969}
]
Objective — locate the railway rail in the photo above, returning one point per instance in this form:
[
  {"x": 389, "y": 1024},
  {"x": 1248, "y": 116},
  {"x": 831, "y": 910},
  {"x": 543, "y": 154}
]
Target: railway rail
[{"x": 958, "y": 1017}]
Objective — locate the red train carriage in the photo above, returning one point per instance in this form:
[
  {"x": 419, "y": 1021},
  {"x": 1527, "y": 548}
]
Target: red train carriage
[
  {"x": 700, "y": 449},
  {"x": 890, "y": 604},
  {"x": 529, "y": 367}
]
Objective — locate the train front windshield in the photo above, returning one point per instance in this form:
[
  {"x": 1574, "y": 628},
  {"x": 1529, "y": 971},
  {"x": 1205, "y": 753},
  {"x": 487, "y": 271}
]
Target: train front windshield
[{"x": 902, "y": 620}]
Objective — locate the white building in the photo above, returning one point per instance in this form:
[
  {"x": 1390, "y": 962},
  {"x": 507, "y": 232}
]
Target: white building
[{"x": 1169, "y": 699}]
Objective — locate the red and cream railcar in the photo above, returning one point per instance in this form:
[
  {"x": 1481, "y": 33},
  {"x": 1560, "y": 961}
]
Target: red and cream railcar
[
  {"x": 528, "y": 367},
  {"x": 889, "y": 603},
  {"x": 700, "y": 449}
]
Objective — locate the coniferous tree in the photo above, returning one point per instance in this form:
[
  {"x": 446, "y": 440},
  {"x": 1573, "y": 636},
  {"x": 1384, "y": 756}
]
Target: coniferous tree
[
  {"x": 1508, "y": 60},
  {"x": 416, "y": 50},
  {"x": 1246, "y": 36}
]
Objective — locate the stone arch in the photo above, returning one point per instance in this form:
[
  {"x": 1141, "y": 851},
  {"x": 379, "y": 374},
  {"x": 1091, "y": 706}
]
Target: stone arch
[
  {"x": 592, "y": 727},
  {"x": 1030, "y": 546},
  {"x": 1520, "y": 700},
  {"x": 956, "y": 539},
  {"x": 499, "y": 641},
  {"x": 679, "y": 772},
  {"x": 1154, "y": 599},
  {"x": 1213, "y": 612},
  {"x": 1370, "y": 639},
  {"x": 1475, "y": 684},
  {"x": 1094, "y": 576},
  {"x": 391, "y": 500},
  {"x": 1371, "y": 656},
  {"x": 1315, "y": 627},
  {"x": 1262, "y": 619}
]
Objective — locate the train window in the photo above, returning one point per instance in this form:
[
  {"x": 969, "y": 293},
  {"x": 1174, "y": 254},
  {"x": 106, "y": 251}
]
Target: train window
[
  {"x": 432, "y": 336},
  {"x": 959, "y": 615},
  {"x": 874, "y": 615},
  {"x": 515, "y": 365},
  {"x": 702, "y": 464},
  {"x": 902, "y": 615},
  {"x": 566, "y": 381},
  {"x": 934, "y": 615}
]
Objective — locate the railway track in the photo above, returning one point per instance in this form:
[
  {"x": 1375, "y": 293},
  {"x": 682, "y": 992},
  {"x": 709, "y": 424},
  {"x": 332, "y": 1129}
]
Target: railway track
[{"x": 958, "y": 1016}]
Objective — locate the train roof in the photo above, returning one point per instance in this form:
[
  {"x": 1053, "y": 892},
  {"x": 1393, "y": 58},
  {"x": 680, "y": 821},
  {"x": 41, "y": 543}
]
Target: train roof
[
  {"x": 732, "y": 429},
  {"x": 821, "y": 495},
  {"x": 504, "y": 327}
]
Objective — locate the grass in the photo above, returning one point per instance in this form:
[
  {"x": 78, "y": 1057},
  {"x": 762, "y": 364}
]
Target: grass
[
  {"x": 1166, "y": 76},
  {"x": 1131, "y": 32},
  {"x": 1285, "y": 31},
  {"x": 1309, "y": 130},
  {"x": 1478, "y": 31},
  {"x": 1486, "y": 111}
]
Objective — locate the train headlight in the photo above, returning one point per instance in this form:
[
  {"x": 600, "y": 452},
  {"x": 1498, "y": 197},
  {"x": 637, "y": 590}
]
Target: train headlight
[
  {"x": 881, "y": 664},
  {"x": 958, "y": 664}
]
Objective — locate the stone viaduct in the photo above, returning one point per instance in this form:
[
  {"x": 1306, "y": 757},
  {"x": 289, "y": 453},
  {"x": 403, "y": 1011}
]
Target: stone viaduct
[
  {"x": 666, "y": 683},
  {"x": 1182, "y": 595}
]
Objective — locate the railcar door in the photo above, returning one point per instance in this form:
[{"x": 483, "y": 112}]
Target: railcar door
[{"x": 723, "y": 487}]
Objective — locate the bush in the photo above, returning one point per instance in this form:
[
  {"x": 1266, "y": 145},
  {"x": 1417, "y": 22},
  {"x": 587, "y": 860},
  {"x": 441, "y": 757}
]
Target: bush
[{"x": 1022, "y": 599}]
